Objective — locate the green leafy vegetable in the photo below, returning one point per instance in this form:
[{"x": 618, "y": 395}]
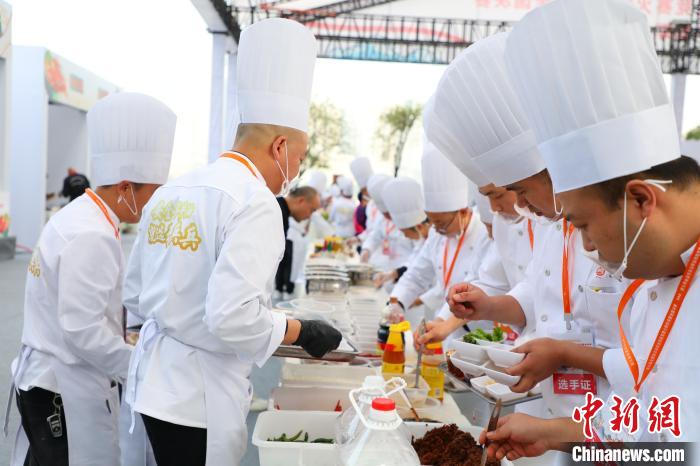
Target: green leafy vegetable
[
  {"x": 297, "y": 438},
  {"x": 480, "y": 334}
]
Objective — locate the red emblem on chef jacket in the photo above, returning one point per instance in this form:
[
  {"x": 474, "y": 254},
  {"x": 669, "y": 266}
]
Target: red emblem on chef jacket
[
  {"x": 664, "y": 415},
  {"x": 626, "y": 416},
  {"x": 584, "y": 414},
  {"x": 600, "y": 272}
]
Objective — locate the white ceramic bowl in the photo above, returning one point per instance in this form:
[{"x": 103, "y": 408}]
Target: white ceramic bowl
[
  {"x": 502, "y": 357},
  {"x": 467, "y": 367},
  {"x": 497, "y": 344},
  {"x": 497, "y": 374},
  {"x": 481, "y": 383},
  {"x": 470, "y": 352},
  {"x": 501, "y": 392}
]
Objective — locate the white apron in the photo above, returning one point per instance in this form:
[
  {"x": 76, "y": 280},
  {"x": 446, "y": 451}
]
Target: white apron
[
  {"x": 226, "y": 401},
  {"x": 91, "y": 407}
]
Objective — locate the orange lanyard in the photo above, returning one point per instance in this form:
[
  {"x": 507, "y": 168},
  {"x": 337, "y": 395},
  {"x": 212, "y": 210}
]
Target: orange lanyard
[
  {"x": 447, "y": 274},
  {"x": 530, "y": 234},
  {"x": 241, "y": 159},
  {"x": 667, "y": 325},
  {"x": 388, "y": 229},
  {"x": 565, "y": 286},
  {"x": 103, "y": 208}
]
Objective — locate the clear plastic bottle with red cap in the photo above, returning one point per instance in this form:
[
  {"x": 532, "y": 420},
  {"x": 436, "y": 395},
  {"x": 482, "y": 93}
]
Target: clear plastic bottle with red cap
[{"x": 381, "y": 443}]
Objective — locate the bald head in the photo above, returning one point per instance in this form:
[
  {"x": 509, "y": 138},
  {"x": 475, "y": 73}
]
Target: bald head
[
  {"x": 276, "y": 151},
  {"x": 303, "y": 202}
]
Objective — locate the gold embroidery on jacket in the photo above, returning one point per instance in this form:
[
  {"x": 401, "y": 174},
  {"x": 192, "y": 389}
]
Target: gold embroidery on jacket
[
  {"x": 35, "y": 264},
  {"x": 172, "y": 224}
]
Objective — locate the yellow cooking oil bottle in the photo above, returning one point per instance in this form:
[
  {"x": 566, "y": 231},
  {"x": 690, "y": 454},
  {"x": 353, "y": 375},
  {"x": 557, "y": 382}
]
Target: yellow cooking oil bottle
[
  {"x": 433, "y": 356},
  {"x": 394, "y": 351}
]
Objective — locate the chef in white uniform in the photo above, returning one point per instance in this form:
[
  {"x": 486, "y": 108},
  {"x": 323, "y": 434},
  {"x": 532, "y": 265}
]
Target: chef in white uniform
[
  {"x": 386, "y": 248},
  {"x": 564, "y": 295},
  {"x": 73, "y": 354},
  {"x": 343, "y": 209},
  {"x": 452, "y": 245},
  {"x": 318, "y": 227},
  {"x": 614, "y": 159},
  {"x": 205, "y": 258},
  {"x": 403, "y": 197},
  {"x": 361, "y": 169}
]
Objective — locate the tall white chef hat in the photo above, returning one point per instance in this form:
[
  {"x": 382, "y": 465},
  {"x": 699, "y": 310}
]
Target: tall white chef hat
[
  {"x": 484, "y": 117},
  {"x": 361, "y": 169},
  {"x": 318, "y": 181},
  {"x": 484, "y": 207},
  {"x": 345, "y": 185},
  {"x": 131, "y": 139},
  {"x": 445, "y": 188},
  {"x": 591, "y": 85},
  {"x": 375, "y": 186},
  {"x": 441, "y": 129},
  {"x": 275, "y": 70},
  {"x": 403, "y": 196}
]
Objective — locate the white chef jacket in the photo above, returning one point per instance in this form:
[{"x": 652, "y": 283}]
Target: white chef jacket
[
  {"x": 373, "y": 218},
  {"x": 505, "y": 265},
  {"x": 676, "y": 371},
  {"x": 484, "y": 247},
  {"x": 319, "y": 227},
  {"x": 297, "y": 234},
  {"x": 594, "y": 298},
  {"x": 400, "y": 248},
  {"x": 73, "y": 297},
  {"x": 342, "y": 216},
  {"x": 425, "y": 272},
  {"x": 203, "y": 267}
]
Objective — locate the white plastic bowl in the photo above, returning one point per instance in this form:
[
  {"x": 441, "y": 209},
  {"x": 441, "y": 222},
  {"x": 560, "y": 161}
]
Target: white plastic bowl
[
  {"x": 502, "y": 357},
  {"x": 470, "y": 352},
  {"x": 497, "y": 344},
  {"x": 467, "y": 367},
  {"x": 497, "y": 374},
  {"x": 480, "y": 383},
  {"x": 501, "y": 392}
]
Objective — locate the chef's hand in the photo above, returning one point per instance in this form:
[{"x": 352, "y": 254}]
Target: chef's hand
[
  {"x": 393, "y": 312},
  {"x": 364, "y": 257},
  {"x": 517, "y": 435},
  {"x": 468, "y": 302},
  {"x": 543, "y": 356},
  {"x": 435, "y": 330},
  {"x": 318, "y": 337},
  {"x": 380, "y": 278}
]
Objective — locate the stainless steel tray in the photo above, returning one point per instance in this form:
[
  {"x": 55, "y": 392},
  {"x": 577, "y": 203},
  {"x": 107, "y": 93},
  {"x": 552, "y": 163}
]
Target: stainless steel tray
[
  {"x": 288, "y": 351},
  {"x": 464, "y": 385}
]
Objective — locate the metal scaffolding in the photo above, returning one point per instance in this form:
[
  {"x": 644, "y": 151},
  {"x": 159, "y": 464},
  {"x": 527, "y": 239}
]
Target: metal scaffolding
[{"x": 343, "y": 34}]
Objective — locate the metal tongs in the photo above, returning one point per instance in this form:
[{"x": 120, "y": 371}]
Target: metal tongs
[
  {"x": 421, "y": 332},
  {"x": 493, "y": 424}
]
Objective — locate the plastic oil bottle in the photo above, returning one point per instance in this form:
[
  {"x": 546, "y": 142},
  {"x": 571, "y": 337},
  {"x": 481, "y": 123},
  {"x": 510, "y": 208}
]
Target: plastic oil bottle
[
  {"x": 433, "y": 356},
  {"x": 381, "y": 443},
  {"x": 348, "y": 423},
  {"x": 394, "y": 357}
]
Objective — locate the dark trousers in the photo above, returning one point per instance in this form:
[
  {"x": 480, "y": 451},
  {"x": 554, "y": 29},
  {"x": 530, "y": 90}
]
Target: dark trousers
[
  {"x": 176, "y": 445},
  {"x": 35, "y": 406}
]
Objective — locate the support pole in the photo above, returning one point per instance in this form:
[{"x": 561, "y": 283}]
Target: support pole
[
  {"x": 678, "y": 98},
  {"x": 216, "y": 106},
  {"x": 232, "y": 116}
]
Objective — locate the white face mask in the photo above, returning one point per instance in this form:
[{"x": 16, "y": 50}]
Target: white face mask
[
  {"x": 285, "y": 188},
  {"x": 617, "y": 269},
  {"x": 121, "y": 199},
  {"x": 526, "y": 213}
]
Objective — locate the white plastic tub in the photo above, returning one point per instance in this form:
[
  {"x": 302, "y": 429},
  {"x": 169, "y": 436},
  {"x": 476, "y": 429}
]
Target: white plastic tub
[
  {"x": 306, "y": 399},
  {"x": 275, "y": 423},
  {"x": 322, "y": 375}
]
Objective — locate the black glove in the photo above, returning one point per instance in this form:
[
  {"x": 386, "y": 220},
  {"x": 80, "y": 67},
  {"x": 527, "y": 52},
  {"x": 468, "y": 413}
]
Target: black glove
[{"x": 317, "y": 337}]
